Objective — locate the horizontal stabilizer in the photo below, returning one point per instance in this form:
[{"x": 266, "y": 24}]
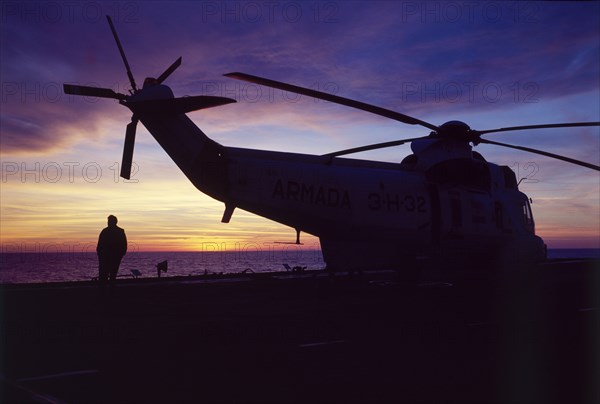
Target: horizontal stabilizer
[{"x": 175, "y": 106}]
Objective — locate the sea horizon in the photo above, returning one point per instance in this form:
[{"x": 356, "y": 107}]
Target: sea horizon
[{"x": 36, "y": 267}]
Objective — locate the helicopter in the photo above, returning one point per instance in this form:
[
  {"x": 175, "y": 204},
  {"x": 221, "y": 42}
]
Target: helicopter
[{"x": 444, "y": 201}]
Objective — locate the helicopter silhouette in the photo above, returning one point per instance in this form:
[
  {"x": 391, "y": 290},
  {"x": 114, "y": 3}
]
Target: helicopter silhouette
[{"x": 444, "y": 201}]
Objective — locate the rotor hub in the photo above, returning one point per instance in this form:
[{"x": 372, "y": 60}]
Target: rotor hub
[{"x": 455, "y": 130}]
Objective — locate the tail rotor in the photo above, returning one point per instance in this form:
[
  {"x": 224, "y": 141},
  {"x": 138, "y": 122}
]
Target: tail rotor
[{"x": 74, "y": 89}]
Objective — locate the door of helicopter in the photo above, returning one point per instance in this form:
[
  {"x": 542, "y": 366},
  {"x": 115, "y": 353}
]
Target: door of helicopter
[{"x": 469, "y": 221}]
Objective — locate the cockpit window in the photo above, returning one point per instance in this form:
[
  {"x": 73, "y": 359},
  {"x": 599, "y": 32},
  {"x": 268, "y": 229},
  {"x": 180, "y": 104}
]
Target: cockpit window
[{"x": 528, "y": 216}]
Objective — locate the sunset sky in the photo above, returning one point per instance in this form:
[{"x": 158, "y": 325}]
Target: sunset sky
[{"x": 489, "y": 64}]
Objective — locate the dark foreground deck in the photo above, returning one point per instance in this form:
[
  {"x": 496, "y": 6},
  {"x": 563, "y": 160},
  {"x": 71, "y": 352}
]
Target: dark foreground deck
[{"x": 307, "y": 339}]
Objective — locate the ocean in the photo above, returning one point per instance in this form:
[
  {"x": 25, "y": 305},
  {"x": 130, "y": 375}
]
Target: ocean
[
  {"x": 61, "y": 267},
  {"x": 78, "y": 266}
]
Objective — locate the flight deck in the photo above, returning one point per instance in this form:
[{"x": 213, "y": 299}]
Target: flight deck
[{"x": 307, "y": 337}]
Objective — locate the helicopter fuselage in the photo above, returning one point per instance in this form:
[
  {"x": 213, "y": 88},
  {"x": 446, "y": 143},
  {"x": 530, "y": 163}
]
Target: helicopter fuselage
[{"x": 367, "y": 214}]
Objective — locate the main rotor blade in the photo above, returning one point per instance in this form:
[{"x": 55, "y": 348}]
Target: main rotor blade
[
  {"x": 372, "y": 147},
  {"x": 170, "y": 70},
  {"x": 127, "y": 159},
  {"x": 545, "y": 126},
  {"x": 87, "y": 91},
  {"x": 544, "y": 153},
  {"x": 129, "y": 74},
  {"x": 332, "y": 98}
]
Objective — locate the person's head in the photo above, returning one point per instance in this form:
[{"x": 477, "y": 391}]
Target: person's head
[{"x": 112, "y": 220}]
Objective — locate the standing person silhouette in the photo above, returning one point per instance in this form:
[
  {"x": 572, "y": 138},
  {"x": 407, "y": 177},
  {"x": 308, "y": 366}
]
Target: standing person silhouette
[{"x": 112, "y": 246}]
